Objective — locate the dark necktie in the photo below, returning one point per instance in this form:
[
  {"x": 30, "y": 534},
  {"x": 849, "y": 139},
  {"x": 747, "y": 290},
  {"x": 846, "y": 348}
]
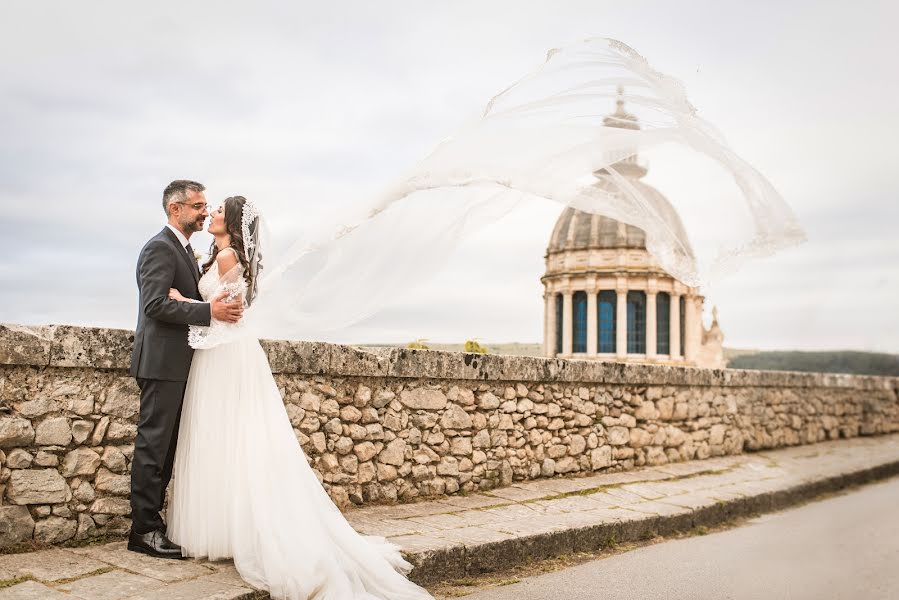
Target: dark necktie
[{"x": 190, "y": 253}]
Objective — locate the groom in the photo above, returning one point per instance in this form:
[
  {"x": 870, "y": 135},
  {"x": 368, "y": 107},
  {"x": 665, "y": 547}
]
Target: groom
[{"x": 161, "y": 358}]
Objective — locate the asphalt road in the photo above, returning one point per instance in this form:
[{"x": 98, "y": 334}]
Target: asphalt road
[{"x": 841, "y": 547}]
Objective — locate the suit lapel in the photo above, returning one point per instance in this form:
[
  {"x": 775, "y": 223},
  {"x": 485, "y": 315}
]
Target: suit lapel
[{"x": 191, "y": 263}]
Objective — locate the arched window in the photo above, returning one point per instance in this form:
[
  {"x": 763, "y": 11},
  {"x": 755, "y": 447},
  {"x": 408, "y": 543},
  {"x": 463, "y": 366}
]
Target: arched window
[
  {"x": 559, "y": 313},
  {"x": 636, "y": 322},
  {"x": 663, "y": 323},
  {"x": 579, "y": 322},
  {"x": 683, "y": 325},
  {"x": 606, "y": 321}
]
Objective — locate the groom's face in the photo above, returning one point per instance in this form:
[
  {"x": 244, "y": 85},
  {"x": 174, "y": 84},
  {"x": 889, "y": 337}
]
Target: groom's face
[{"x": 192, "y": 212}]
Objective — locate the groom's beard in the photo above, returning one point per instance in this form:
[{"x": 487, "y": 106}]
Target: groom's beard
[{"x": 194, "y": 226}]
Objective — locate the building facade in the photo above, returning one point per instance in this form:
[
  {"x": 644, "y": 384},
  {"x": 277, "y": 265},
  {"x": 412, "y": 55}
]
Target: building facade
[{"x": 607, "y": 298}]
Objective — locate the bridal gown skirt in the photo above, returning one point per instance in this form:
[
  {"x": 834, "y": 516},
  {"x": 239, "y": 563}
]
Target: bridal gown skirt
[{"x": 244, "y": 490}]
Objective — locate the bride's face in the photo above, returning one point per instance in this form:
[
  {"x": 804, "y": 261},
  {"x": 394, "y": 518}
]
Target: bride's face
[{"x": 217, "y": 221}]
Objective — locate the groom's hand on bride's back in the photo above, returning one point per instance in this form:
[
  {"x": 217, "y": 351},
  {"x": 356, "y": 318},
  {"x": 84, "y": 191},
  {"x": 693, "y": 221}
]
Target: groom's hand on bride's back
[{"x": 229, "y": 312}]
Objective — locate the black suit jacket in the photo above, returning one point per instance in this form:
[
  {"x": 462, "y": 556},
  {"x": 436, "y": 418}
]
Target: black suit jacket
[{"x": 160, "y": 341}]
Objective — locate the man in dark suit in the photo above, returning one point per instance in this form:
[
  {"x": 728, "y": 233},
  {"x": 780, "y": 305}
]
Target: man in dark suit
[{"x": 161, "y": 358}]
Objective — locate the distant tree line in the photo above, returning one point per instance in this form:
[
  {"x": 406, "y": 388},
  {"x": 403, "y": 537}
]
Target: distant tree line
[{"x": 858, "y": 363}]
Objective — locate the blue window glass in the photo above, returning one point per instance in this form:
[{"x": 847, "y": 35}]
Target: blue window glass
[
  {"x": 559, "y": 309},
  {"x": 606, "y": 306},
  {"x": 579, "y": 322},
  {"x": 663, "y": 323},
  {"x": 636, "y": 322},
  {"x": 683, "y": 325}
]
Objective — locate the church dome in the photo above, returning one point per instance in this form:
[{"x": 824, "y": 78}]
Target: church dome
[{"x": 579, "y": 230}]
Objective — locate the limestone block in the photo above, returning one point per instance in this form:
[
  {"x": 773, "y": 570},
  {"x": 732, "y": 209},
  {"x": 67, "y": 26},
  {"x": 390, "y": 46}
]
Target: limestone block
[
  {"x": 619, "y": 436},
  {"x": 423, "y": 398},
  {"x": 365, "y": 451},
  {"x": 122, "y": 399},
  {"x": 84, "y": 492},
  {"x": 716, "y": 435},
  {"x": 111, "y": 506},
  {"x": 577, "y": 445},
  {"x": 330, "y": 408},
  {"x": 100, "y": 431},
  {"x": 83, "y": 406},
  {"x": 81, "y": 461},
  {"x": 460, "y": 395},
  {"x": 54, "y": 431},
  {"x": 601, "y": 457},
  {"x": 91, "y": 347},
  {"x": 110, "y": 483},
  {"x": 350, "y": 414},
  {"x": 656, "y": 456},
  {"x": 461, "y": 446},
  {"x": 15, "y": 431},
  {"x": 121, "y": 432},
  {"x": 310, "y": 402},
  {"x": 86, "y": 527},
  {"x": 318, "y": 441},
  {"x": 386, "y": 472},
  {"x": 54, "y": 530},
  {"x": 366, "y": 472},
  {"x": 646, "y": 412},
  {"x": 114, "y": 459},
  {"x": 566, "y": 464},
  {"x": 37, "y": 486},
  {"x": 19, "y": 459},
  {"x": 487, "y": 401},
  {"x": 345, "y": 445},
  {"x": 46, "y": 459},
  {"x": 16, "y": 525},
  {"x": 454, "y": 417},
  {"x": 36, "y": 408},
  {"x": 393, "y": 453},
  {"x": 20, "y": 345},
  {"x": 81, "y": 430},
  {"x": 481, "y": 439},
  {"x": 674, "y": 436}
]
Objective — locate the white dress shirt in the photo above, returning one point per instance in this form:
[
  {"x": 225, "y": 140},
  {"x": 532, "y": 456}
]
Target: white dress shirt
[{"x": 184, "y": 242}]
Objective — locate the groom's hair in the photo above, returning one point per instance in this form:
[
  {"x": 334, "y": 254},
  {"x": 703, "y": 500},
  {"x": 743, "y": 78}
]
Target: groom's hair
[{"x": 177, "y": 192}]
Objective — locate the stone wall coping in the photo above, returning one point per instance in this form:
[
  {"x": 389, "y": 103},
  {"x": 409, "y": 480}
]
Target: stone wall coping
[{"x": 106, "y": 348}]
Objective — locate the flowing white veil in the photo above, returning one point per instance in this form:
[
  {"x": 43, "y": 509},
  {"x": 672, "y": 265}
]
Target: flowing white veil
[{"x": 550, "y": 136}]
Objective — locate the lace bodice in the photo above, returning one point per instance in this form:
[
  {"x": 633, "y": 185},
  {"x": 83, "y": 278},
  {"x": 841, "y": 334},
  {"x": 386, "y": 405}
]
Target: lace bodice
[{"x": 211, "y": 284}]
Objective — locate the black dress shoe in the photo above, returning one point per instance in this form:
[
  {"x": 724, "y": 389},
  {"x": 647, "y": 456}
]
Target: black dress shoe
[{"x": 154, "y": 543}]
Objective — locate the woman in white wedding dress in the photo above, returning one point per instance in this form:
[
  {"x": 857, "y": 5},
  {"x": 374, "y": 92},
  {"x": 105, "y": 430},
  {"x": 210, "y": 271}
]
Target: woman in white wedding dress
[{"x": 243, "y": 488}]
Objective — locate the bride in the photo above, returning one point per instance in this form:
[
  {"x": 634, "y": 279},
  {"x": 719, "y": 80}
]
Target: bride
[{"x": 243, "y": 487}]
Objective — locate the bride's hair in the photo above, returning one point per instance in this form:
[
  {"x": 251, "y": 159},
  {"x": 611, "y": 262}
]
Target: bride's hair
[{"x": 233, "y": 220}]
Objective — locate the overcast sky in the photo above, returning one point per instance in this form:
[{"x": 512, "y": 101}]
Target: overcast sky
[{"x": 312, "y": 107}]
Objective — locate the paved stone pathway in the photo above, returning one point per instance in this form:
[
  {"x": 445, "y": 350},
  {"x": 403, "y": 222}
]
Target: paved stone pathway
[{"x": 476, "y": 532}]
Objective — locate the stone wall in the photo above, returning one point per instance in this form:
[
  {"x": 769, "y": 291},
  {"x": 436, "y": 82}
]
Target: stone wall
[{"x": 395, "y": 425}]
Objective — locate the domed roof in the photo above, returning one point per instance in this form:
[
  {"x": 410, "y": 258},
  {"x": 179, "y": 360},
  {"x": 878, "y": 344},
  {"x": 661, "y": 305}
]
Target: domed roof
[{"x": 579, "y": 230}]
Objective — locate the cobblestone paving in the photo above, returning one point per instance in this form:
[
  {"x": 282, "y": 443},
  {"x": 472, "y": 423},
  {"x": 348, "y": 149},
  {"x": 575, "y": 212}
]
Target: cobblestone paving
[{"x": 111, "y": 572}]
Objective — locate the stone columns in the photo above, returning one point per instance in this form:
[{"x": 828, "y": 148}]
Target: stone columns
[
  {"x": 592, "y": 323},
  {"x": 651, "y": 324},
  {"x": 566, "y": 323},
  {"x": 674, "y": 335},
  {"x": 549, "y": 326},
  {"x": 690, "y": 327},
  {"x": 621, "y": 325}
]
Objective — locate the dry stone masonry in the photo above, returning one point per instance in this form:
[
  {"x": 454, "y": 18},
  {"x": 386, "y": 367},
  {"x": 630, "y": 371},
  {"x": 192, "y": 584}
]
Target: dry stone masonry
[{"x": 395, "y": 425}]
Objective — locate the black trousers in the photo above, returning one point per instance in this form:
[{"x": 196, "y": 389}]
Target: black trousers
[{"x": 154, "y": 450}]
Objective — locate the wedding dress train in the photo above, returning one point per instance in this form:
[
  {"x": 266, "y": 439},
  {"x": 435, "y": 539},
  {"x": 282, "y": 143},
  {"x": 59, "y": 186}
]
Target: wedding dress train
[{"x": 243, "y": 488}]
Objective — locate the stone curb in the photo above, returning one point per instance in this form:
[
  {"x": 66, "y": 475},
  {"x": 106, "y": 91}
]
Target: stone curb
[{"x": 473, "y": 559}]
